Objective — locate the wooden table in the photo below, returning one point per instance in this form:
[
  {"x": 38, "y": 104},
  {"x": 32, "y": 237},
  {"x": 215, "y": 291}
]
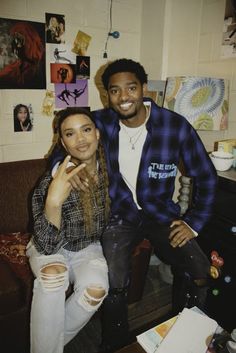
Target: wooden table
[{"x": 132, "y": 348}]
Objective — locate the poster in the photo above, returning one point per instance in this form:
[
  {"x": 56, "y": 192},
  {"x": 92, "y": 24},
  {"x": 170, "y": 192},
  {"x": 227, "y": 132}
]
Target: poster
[
  {"x": 81, "y": 43},
  {"x": 82, "y": 67},
  {"x": 63, "y": 73},
  {"x": 23, "y": 117},
  {"x": 22, "y": 54},
  {"x": 61, "y": 54},
  {"x": 71, "y": 95},
  {"x": 228, "y": 47},
  {"x": 203, "y": 101},
  {"x": 55, "y": 28}
]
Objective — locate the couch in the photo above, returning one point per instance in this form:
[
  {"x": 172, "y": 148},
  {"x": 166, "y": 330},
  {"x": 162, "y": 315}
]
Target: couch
[{"x": 17, "y": 180}]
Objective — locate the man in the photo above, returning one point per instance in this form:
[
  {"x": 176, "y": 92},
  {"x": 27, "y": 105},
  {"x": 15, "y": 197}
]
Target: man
[{"x": 144, "y": 146}]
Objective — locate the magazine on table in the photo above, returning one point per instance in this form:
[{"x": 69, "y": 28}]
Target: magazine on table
[
  {"x": 151, "y": 339},
  {"x": 190, "y": 331}
]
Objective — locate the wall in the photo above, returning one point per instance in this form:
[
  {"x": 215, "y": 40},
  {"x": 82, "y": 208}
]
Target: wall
[
  {"x": 169, "y": 37},
  {"x": 90, "y": 16},
  {"x": 183, "y": 37},
  {"x": 152, "y": 37},
  {"x": 210, "y": 64},
  {"x": 191, "y": 44}
]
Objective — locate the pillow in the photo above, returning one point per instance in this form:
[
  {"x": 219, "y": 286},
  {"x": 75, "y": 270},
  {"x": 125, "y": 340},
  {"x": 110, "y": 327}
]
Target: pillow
[{"x": 12, "y": 251}]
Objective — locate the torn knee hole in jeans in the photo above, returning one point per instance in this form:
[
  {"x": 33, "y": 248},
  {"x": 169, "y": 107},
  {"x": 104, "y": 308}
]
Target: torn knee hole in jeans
[
  {"x": 52, "y": 276},
  {"x": 92, "y": 297}
]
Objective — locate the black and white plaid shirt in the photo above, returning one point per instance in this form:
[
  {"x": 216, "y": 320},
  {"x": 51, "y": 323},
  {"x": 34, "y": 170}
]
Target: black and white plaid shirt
[{"x": 72, "y": 233}]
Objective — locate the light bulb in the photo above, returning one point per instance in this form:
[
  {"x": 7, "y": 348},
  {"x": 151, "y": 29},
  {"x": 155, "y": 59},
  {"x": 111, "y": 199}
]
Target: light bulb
[{"x": 114, "y": 34}]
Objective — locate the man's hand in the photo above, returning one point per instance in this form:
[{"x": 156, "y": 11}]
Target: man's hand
[
  {"x": 79, "y": 182},
  {"x": 180, "y": 234}
]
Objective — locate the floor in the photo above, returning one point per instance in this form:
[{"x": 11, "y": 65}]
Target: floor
[{"x": 155, "y": 305}]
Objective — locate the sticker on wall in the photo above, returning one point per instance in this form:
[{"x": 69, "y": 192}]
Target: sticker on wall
[
  {"x": 61, "y": 54},
  {"x": 48, "y": 103},
  {"x": 82, "y": 67},
  {"x": 63, "y": 73},
  {"x": 55, "y": 28},
  {"x": 22, "y": 54},
  {"x": 203, "y": 101},
  {"x": 81, "y": 43},
  {"x": 23, "y": 117},
  {"x": 72, "y": 95}
]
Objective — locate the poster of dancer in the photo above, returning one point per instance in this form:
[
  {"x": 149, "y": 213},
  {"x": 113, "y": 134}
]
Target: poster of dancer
[
  {"x": 22, "y": 54},
  {"x": 61, "y": 54},
  {"x": 72, "y": 95},
  {"x": 63, "y": 73},
  {"x": 82, "y": 67}
]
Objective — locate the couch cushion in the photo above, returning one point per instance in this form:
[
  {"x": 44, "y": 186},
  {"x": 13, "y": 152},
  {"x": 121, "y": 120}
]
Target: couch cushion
[
  {"x": 15, "y": 274},
  {"x": 12, "y": 251},
  {"x": 17, "y": 180},
  {"x": 11, "y": 290}
]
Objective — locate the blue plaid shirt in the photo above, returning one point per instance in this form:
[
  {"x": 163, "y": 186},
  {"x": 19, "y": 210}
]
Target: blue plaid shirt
[{"x": 170, "y": 140}]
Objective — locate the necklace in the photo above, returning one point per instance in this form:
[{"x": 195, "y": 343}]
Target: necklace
[
  {"x": 136, "y": 136},
  {"x": 134, "y": 139}
]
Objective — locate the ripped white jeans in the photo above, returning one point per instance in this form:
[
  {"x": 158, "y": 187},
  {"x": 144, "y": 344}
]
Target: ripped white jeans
[{"x": 54, "y": 321}]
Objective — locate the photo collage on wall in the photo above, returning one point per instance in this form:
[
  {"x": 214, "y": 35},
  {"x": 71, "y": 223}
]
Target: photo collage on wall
[
  {"x": 69, "y": 65},
  {"x": 23, "y": 65}
]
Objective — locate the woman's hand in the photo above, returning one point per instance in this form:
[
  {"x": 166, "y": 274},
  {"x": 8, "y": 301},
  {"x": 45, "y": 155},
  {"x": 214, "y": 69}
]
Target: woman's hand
[
  {"x": 60, "y": 187},
  {"x": 58, "y": 191},
  {"x": 24, "y": 128},
  {"x": 180, "y": 234}
]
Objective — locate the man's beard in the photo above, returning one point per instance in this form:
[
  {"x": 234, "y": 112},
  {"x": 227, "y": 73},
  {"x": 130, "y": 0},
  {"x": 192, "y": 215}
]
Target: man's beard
[{"x": 125, "y": 117}]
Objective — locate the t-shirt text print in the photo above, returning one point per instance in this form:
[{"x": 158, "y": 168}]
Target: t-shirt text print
[{"x": 162, "y": 170}]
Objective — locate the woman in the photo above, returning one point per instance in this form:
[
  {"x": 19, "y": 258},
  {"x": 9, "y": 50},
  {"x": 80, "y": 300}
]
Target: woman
[
  {"x": 65, "y": 247},
  {"x": 22, "y": 121}
]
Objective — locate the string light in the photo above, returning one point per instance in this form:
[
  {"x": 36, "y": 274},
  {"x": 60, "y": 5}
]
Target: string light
[
  {"x": 215, "y": 291},
  {"x": 114, "y": 34}
]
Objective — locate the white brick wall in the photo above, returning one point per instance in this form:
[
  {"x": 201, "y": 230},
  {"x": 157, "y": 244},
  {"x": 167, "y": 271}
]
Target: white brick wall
[
  {"x": 90, "y": 16},
  {"x": 169, "y": 37}
]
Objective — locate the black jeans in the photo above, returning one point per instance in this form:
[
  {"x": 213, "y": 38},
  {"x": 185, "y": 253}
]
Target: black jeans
[
  {"x": 121, "y": 237},
  {"x": 118, "y": 241}
]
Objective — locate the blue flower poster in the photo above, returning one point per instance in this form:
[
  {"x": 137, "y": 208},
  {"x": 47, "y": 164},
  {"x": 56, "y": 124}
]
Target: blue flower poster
[{"x": 203, "y": 101}]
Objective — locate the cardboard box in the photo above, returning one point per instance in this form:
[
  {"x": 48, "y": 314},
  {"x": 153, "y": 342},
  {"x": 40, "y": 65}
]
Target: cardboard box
[{"x": 225, "y": 145}]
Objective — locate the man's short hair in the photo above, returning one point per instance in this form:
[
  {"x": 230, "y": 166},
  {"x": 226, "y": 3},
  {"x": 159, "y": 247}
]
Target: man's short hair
[{"x": 124, "y": 65}]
